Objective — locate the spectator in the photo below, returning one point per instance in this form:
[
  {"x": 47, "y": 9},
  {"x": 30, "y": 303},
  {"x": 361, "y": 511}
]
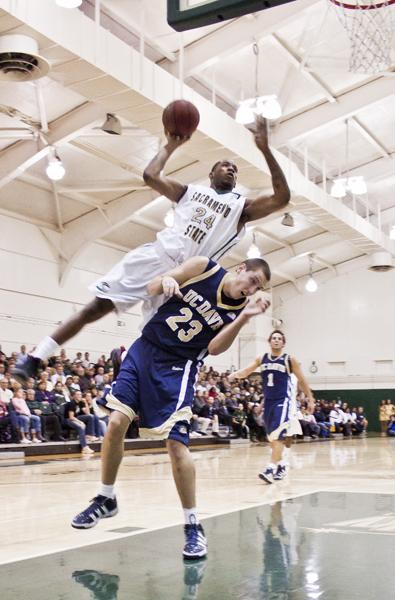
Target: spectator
[
  {"x": 22, "y": 355},
  {"x": 239, "y": 422},
  {"x": 58, "y": 375},
  {"x": 208, "y": 415},
  {"x": 391, "y": 426},
  {"x": 73, "y": 419},
  {"x": 59, "y": 396},
  {"x": 48, "y": 416},
  {"x": 5, "y": 392},
  {"x": 361, "y": 418},
  {"x": 26, "y": 420},
  {"x": 8, "y": 429}
]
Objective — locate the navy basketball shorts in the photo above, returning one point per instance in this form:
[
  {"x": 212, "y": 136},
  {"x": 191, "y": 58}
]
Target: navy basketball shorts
[
  {"x": 276, "y": 414},
  {"x": 159, "y": 388}
]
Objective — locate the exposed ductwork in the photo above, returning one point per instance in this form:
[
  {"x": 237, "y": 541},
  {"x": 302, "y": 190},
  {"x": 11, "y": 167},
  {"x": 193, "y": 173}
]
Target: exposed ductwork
[{"x": 20, "y": 59}]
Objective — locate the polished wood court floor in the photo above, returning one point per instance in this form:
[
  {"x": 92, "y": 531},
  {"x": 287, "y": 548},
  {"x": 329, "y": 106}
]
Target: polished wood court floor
[{"x": 346, "y": 481}]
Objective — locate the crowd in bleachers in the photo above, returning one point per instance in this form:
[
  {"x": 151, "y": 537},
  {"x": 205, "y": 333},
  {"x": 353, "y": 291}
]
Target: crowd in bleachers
[{"x": 64, "y": 399}]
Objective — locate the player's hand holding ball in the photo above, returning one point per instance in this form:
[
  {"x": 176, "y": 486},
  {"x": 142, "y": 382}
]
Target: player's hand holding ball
[{"x": 180, "y": 119}]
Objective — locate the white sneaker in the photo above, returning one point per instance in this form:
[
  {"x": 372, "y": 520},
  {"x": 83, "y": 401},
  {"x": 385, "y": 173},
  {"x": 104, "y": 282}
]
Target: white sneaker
[
  {"x": 25, "y": 441},
  {"x": 195, "y": 434},
  {"x": 87, "y": 450},
  {"x": 37, "y": 441}
]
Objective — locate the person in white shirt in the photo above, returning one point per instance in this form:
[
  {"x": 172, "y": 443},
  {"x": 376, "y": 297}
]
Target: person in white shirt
[
  {"x": 208, "y": 221},
  {"x": 5, "y": 393}
]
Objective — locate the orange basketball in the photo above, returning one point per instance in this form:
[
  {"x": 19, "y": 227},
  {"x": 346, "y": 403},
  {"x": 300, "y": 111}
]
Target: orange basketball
[{"x": 180, "y": 117}]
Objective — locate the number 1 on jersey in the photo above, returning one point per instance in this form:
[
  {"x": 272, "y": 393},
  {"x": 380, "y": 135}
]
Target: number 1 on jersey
[{"x": 270, "y": 380}]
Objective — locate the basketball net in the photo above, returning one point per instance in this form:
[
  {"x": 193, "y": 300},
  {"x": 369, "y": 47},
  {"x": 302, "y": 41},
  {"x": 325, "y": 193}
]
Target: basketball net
[{"x": 370, "y": 27}]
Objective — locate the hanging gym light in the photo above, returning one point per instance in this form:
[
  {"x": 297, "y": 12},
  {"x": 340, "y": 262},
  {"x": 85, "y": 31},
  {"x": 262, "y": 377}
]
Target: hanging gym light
[
  {"x": 311, "y": 284},
  {"x": 264, "y": 106},
  {"x": 55, "y": 169}
]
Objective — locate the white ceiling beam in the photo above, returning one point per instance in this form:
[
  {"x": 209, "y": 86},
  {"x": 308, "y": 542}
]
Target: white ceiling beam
[
  {"x": 324, "y": 115},
  {"x": 106, "y": 156},
  {"x": 98, "y": 223},
  {"x": 369, "y": 136},
  {"x": 298, "y": 63},
  {"x": 18, "y": 158},
  {"x": 234, "y": 36}
]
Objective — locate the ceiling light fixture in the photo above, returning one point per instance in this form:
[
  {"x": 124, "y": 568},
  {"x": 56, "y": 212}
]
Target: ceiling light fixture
[
  {"x": 311, "y": 284},
  {"x": 253, "y": 250},
  {"x": 112, "y": 125},
  {"x": 356, "y": 185},
  {"x": 55, "y": 169},
  {"x": 69, "y": 3},
  {"x": 264, "y": 106},
  {"x": 288, "y": 220}
]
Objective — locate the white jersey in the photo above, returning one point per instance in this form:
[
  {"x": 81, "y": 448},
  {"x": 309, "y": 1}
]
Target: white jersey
[{"x": 205, "y": 224}]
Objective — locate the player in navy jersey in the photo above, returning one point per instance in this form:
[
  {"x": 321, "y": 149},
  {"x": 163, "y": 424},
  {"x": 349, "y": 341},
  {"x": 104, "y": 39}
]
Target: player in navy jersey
[
  {"x": 207, "y": 221},
  {"x": 276, "y": 369},
  {"x": 206, "y": 308}
]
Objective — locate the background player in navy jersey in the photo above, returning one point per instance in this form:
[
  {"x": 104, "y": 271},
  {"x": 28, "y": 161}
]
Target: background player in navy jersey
[
  {"x": 206, "y": 309},
  {"x": 207, "y": 221},
  {"x": 276, "y": 369}
]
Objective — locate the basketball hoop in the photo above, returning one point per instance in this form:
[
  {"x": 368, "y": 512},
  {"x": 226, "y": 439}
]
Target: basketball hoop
[{"x": 370, "y": 27}]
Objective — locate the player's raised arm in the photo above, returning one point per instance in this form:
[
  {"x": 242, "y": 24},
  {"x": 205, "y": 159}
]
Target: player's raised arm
[
  {"x": 303, "y": 383},
  {"x": 169, "y": 283},
  {"x": 153, "y": 175},
  {"x": 224, "y": 339},
  {"x": 242, "y": 373},
  {"x": 265, "y": 205}
]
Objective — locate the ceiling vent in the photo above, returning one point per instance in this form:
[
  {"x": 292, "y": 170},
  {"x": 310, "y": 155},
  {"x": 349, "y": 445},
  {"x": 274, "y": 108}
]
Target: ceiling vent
[
  {"x": 381, "y": 262},
  {"x": 20, "y": 60}
]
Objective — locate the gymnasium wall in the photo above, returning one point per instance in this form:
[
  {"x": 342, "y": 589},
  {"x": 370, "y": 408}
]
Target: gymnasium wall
[
  {"x": 347, "y": 327},
  {"x": 32, "y": 302}
]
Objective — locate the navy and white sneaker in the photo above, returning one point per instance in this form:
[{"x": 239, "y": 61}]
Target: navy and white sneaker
[
  {"x": 24, "y": 370},
  {"x": 195, "y": 542},
  {"x": 267, "y": 475},
  {"x": 280, "y": 473},
  {"x": 101, "y": 507},
  {"x": 193, "y": 576},
  {"x": 103, "y": 586}
]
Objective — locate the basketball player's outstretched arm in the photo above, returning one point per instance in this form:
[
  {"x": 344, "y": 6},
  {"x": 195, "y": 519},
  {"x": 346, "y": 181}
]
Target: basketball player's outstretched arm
[
  {"x": 169, "y": 283},
  {"x": 265, "y": 205},
  {"x": 153, "y": 175},
  {"x": 226, "y": 336},
  {"x": 242, "y": 373},
  {"x": 303, "y": 384}
]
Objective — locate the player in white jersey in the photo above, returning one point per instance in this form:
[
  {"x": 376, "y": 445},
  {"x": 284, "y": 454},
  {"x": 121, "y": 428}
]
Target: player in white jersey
[{"x": 207, "y": 221}]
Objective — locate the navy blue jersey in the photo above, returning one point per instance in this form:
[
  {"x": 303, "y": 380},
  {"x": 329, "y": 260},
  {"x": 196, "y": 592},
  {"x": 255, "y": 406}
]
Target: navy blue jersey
[
  {"x": 276, "y": 376},
  {"x": 186, "y": 326}
]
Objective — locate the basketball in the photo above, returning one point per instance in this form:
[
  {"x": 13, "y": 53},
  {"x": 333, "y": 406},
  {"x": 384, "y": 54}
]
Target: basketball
[{"x": 180, "y": 117}]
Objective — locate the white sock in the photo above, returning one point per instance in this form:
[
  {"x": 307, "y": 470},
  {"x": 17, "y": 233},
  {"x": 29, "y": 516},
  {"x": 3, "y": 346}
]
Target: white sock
[
  {"x": 107, "y": 490},
  {"x": 46, "y": 348},
  {"x": 286, "y": 453},
  {"x": 271, "y": 466},
  {"x": 191, "y": 517}
]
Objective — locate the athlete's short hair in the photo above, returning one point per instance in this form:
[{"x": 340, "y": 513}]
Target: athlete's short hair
[
  {"x": 255, "y": 264},
  {"x": 221, "y": 161},
  {"x": 277, "y": 331}
]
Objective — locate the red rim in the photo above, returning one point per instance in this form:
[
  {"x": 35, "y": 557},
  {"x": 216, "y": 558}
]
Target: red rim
[{"x": 362, "y": 6}]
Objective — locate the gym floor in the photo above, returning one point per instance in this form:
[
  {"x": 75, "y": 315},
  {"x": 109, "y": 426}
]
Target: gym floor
[{"x": 326, "y": 532}]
